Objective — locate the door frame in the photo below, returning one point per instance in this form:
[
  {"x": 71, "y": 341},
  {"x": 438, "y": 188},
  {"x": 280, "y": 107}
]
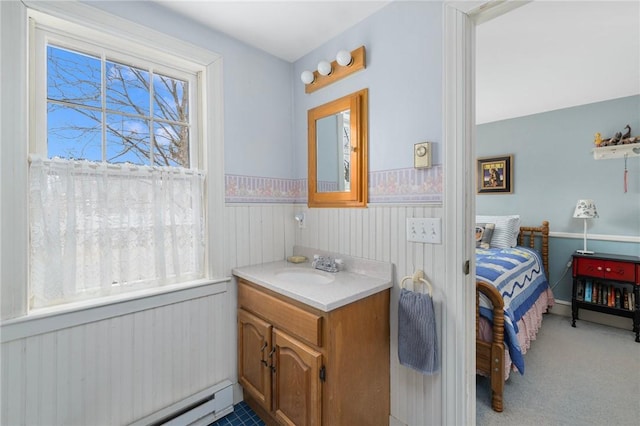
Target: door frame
[{"x": 458, "y": 322}]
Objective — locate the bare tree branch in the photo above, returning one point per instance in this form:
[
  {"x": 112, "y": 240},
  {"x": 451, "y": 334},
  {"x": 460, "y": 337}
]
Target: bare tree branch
[{"x": 74, "y": 79}]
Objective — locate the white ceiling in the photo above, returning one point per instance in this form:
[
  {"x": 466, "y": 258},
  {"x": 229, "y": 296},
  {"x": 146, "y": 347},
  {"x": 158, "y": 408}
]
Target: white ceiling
[
  {"x": 540, "y": 57},
  {"x": 287, "y": 29},
  {"x": 548, "y": 55}
]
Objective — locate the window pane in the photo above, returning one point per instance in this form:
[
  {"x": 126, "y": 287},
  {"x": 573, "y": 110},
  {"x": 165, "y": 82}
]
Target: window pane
[
  {"x": 73, "y": 133},
  {"x": 128, "y": 140},
  {"x": 127, "y": 89},
  {"x": 73, "y": 77},
  {"x": 171, "y": 99},
  {"x": 171, "y": 145}
]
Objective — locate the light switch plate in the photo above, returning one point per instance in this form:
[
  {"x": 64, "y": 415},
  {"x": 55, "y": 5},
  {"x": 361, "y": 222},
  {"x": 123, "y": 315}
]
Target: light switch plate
[
  {"x": 422, "y": 155},
  {"x": 424, "y": 230}
]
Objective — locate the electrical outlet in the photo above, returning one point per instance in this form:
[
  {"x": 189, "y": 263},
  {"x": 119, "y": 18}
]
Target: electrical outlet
[{"x": 424, "y": 230}]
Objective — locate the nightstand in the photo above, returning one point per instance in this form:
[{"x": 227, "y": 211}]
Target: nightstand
[{"x": 607, "y": 283}]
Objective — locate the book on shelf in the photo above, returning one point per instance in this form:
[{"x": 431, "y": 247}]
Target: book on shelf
[
  {"x": 580, "y": 291},
  {"x": 618, "y": 298},
  {"x": 612, "y": 296},
  {"x": 625, "y": 298},
  {"x": 588, "y": 289}
]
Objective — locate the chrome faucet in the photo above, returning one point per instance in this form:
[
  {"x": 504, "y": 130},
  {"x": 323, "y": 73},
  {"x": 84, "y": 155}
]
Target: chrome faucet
[{"x": 325, "y": 263}]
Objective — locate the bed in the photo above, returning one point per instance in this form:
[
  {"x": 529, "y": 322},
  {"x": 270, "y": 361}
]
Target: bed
[{"x": 512, "y": 293}]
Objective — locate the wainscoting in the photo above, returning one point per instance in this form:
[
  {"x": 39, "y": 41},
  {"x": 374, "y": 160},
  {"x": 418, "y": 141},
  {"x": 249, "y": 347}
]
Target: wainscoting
[
  {"x": 117, "y": 369},
  {"x": 127, "y": 364}
]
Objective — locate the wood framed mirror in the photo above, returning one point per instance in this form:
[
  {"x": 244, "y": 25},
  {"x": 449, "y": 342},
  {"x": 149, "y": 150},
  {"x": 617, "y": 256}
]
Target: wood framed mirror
[{"x": 338, "y": 144}]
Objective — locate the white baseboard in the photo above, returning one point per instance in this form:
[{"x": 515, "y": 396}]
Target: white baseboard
[{"x": 563, "y": 308}]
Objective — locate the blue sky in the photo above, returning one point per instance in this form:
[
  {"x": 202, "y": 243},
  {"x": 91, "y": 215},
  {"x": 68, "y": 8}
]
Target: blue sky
[{"x": 75, "y": 115}]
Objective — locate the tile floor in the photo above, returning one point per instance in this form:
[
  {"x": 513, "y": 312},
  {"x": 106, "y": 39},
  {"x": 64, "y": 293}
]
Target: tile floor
[{"x": 242, "y": 416}]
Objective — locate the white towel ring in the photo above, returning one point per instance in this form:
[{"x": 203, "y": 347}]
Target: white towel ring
[{"x": 418, "y": 277}]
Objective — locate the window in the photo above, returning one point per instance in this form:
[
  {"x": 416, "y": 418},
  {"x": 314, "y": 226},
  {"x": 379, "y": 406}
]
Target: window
[
  {"x": 117, "y": 187},
  {"x": 102, "y": 110}
]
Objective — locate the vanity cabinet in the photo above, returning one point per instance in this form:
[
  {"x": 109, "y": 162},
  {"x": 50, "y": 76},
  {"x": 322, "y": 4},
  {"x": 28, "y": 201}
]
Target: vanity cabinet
[{"x": 302, "y": 366}]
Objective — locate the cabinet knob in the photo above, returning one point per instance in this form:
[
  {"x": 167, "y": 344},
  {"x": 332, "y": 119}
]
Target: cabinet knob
[
  {"x": 599, "y": 268},
  {"x": 608, "y": 269}
]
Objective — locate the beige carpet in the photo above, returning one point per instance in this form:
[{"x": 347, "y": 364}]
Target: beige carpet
[{"x": 588, "y": 375}]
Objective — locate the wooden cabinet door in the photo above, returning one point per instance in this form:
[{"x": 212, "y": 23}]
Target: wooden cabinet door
[
  {"x": 254, "y": 346},
  {"x": 297, "y": 395}
]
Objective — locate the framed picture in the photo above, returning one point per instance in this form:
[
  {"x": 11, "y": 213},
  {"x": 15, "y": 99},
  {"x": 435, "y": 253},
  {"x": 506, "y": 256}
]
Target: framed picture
[{"x": 495, "y": 175}]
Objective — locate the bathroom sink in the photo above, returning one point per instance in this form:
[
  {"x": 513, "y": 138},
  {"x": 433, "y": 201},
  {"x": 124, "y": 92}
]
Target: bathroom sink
[{"x": 306, "y": 276}]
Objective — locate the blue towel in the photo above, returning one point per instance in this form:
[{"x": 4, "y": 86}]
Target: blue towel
[{"x": 417, "y": 338}]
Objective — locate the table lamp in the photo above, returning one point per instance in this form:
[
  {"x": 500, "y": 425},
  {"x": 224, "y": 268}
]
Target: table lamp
[{"x": 585, "y": 209}]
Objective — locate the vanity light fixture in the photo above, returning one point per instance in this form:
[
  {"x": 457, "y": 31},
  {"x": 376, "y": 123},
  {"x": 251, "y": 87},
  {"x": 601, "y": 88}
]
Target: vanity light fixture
[
  {"x": 344, "y": 58},
  {"x": 346, "y": 63},
  {"x": 307, "y": 77},
  {"x": 324, "y": 68}
]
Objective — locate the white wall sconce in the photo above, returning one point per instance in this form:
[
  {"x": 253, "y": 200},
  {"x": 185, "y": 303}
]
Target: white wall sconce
[{"x": 346, "y": 63}]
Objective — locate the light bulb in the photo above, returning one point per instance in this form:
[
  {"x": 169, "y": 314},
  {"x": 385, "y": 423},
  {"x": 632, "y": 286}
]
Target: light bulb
[
  {"x": 307, "y": 77},
  {"x": 324, "y": 68},
  {"x": 344, "y": 58}
]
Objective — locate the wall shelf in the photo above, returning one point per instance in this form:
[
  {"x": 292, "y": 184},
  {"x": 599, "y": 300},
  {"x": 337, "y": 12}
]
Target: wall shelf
[{"x": 617, "y": 151}]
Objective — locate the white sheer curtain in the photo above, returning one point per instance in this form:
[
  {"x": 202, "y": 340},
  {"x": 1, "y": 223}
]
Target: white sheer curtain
[{"x": 99, "y": 229}]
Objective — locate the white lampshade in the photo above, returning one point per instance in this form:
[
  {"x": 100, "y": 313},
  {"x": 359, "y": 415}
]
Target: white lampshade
[
  {"x": 585, "y": 209},
  {"x": 343, "y": 58},
  {"x": 324, "y": 68},
  {"x": 307, "y": 77}
]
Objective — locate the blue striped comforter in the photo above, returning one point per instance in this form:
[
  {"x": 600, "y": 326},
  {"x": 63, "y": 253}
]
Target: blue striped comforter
[{"x": 519, "y": 276}]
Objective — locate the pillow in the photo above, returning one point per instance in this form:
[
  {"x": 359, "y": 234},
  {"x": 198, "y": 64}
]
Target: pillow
[
  {"x": 506, "y": 232},
  {"x": 484, "y": 231}
]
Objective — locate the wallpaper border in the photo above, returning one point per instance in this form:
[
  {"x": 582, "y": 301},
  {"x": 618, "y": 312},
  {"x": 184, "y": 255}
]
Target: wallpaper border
[{"x": 407, "y": 185}]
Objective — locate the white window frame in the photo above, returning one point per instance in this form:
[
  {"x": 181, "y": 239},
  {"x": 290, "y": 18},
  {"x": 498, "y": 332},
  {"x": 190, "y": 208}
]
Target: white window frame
[
  {"x": 86, "y": 23},
  {"x": 43, "y": 36}
]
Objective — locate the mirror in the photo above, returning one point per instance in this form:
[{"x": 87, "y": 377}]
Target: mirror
[{"x": 338, "y": 136}]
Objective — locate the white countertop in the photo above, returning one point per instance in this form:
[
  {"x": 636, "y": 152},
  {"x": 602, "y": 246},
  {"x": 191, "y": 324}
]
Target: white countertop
[{"x": 346, "y": 286}]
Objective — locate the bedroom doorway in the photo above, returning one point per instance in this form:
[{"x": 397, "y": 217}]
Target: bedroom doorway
[{"x": 459, "y": 385}]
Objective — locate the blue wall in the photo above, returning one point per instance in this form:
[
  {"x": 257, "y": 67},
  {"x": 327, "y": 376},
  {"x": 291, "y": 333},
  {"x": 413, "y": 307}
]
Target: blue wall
[
  {"x": 403, "y": 43},
  {"x": 554, "y": 167},
  {"x": 257, "y": 90}
]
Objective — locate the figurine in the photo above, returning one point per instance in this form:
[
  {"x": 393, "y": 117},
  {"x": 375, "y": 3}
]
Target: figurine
[
  {"x": 598, "y": 140},
  {"x": 615, "y": 139}
]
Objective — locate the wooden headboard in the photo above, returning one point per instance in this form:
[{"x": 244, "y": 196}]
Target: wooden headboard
[{"x": 537, "y": 237}]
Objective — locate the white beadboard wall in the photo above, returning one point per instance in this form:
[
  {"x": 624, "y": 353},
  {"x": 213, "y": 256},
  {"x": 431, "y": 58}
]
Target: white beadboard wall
[{"x": 118, "y": 369}]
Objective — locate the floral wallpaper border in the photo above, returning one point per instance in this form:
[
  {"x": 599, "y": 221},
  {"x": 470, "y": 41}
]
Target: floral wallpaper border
[{"x": 389, "y": 186}]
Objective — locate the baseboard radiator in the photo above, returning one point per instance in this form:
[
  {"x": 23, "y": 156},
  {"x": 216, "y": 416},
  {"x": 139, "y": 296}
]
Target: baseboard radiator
[{"x": 200, "y": 409}]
